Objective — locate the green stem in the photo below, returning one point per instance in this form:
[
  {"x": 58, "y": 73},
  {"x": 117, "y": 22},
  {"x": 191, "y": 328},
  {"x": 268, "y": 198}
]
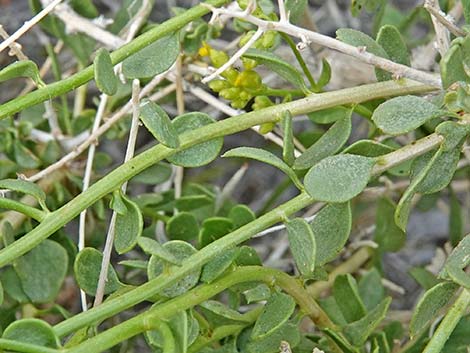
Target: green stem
[
  {"x": 452, "y": 318},
  {"x": 153, "y": 287},
  {"x": 57, "y": 219},
  {"x": 18, "y": 346},
  {"x": 300, "y": 59},
  {"x": 17, "y": 206},
  {"x": 149, "y": 319},
  {"x": 58, "y": 88},
  {"x": 279, "y": 92}
]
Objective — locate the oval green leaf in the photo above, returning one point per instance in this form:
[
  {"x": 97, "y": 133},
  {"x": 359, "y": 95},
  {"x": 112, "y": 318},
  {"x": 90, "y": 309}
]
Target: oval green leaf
[
  {"x": 330, "y": 143},
  {"x": 25, "y": 187},
  {"x": 202, "y": 153},
  {"x": 22, "y": 68},
  {"x": 128, "y": 227},
  {"x": 153, "y": 247},
  {"x": 32, "y": 331},
  {"x": 331, "y": 227},
  {"x": 302, "y": 245},
  {"x": 105, "y": 78},
  {"x": 265, "y": 157},
  {"x": 153, "y": 59},
  {"x": 87, "y": 267},
  {"x": 182, "y": 226},
  {"x": 181, "y": 251},
  {"x": 338, "y": 178},
  {"x": 404, "y": 114},
  {"x": 277, "y": 311},
  {"x": 217, "y": 266},
  {"x": 390, "y": 39},
  {"x": 156, "y": 121},
  {"x": 278, "y": 65},
  {"x": 430, "y": 304},
  {"x": 42, "y": 271},
  {"x": 346, "y": 294}
]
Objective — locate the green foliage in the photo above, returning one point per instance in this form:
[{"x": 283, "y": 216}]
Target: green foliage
[{"x": 353, "y": 168}]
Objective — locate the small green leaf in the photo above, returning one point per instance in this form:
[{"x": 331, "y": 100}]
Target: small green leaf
[
  {"x": 182, "y": 226},
  {"x": 156, "y": 174},
  {"x": 441, "y": 165},
  {"x": 329, "y": 115},
  {"x": 302, "y": 245},
  {"x": 387, "y": 235},
  {"x": 357, "y": 332},
  {"x": 241, "y": 215},
  {"x": 429, "y": 306},
  {"x": 105, "y": 78},
  {"x": 128, "y": 227},
  {"x": 181, "y": 251},
  {"x": 371, "y": 289},
  {"x": 390, "y": 39},
  {"x": 276, "y": 312},
  {"x": 288, "y": 147},
  {"x": 25, "y": 187},
  {"x": 202, "y": 153},
  {"x": 153, "y": 59},
  {"x": 331, "y": 227},
  {"x": 403, "y": 114},
  {"x": 22, "y": 68},
  {"x": 193, "y": 202},
  {"x": 265, "y": 157},
  {"x": 325, "y": 75},
  {"x": 279, "y": 66},
  {"x": 219, "y": 309},
  {"x": 247, "y": 256},
  {"x": 259, "y": 293},
  {"x": 12, "y": 286},
  {"x": 423, "y": 277},
  {"x": 453, "y": 133},
  {"x": 32, "y": 331},
  {"x": 270, "y": 344},
  {"x": 451, "y": 64},
  {"x": 156, "y": 120},
  {"x": 338, "y": 178},
  {"x": 24, "y": 157},
  {"x": 330, "y": 143},
  {"x": 360, "y": 40},
  {"x": 368, "y": 148},
  {"x": 87, "y": 269},
  {"x": 42, "y": 271},
  {"x": 152, "y": 247},
  {"x": 457, "y": 261},
  {"x": 214, "y": 228},
  {"x": 295, "y": 9},
  {"x": 214, "y": 268},
  {"x": 117, "y": 203},
  {"x": 347, "y": 297}
]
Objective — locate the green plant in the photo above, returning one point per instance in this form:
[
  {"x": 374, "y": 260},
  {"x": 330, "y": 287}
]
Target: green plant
[{"x": 172, "y": 267}]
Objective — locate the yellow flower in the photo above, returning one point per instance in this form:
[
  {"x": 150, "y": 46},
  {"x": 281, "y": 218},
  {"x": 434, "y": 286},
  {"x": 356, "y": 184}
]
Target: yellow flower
[{"x": 204, "y": 50}]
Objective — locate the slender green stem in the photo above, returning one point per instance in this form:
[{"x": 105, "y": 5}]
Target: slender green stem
[
  {"x": 153, "y": 287},
  {"x": 18, "y": 346},
  {"x": 56, "y": 89},
  {"x": 447, "y": 326},
  {"x": 149, "y": 320},
  {"x": 299, "y": 58},
  {"x": 17, "y": 206},
  {"x": 57, "y": 219},
  {"x": 280, "y": 92}
]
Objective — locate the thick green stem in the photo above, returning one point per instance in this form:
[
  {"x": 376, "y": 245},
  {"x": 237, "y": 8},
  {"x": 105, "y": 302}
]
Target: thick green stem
[
  {"x": 17, "y": 206},
  {"x": 153, "y": 287},
  {"x": 58, "y": 88},
  {"x": 447, "y": 326},
  {"x": 57, "y": 219},
  {"x": 149, "y": 320}
]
